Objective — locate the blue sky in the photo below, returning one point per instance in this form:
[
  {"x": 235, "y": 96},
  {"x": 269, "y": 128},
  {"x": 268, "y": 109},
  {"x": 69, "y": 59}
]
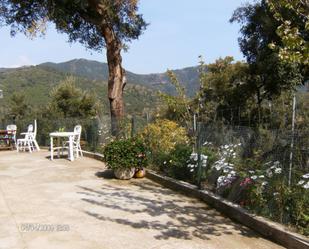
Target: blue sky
[{"x": 179, "y": 31}]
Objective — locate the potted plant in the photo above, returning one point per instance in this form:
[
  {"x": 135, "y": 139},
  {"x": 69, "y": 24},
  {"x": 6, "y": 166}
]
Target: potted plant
[{"x": 124, "y": 157}]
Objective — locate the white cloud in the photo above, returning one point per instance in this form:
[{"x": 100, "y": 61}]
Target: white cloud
[{"x": 22, "y": 60}]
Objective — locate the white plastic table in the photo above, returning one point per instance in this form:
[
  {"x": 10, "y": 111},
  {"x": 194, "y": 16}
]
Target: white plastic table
[{"x": 69, "y": 135}]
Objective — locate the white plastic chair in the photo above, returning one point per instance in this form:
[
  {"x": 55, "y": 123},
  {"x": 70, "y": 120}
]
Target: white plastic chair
[
  {"x": 34, "y": 136},
  {"x": 25, "y": 142},
  {"x": 76, "y": 141},
  {"x": 29, "y": 141},
  {"x": 12, "y": 130}
]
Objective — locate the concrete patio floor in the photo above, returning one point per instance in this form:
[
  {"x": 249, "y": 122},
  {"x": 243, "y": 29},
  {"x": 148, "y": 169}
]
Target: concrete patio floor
[{"x": 78, "y": 205}]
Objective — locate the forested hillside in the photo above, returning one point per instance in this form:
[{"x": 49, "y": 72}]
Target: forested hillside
[
  {"x": 95, "y": 70},
  {"x": 36, "y": 82}
]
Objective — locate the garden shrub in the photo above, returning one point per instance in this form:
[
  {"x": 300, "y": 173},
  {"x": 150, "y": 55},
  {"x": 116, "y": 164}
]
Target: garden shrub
[
  {"x": 163, "y": 135},
  {"x": 268, "y": 194},
  {"x": 125, "y": 153},
  {"x": 176, "y": 163},
  {"x": 260, "y": 186}
]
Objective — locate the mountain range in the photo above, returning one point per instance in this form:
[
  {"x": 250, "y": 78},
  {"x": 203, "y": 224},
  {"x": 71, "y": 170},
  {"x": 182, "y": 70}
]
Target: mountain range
[
  {"x": 36, "y": 82},
  {"x": 188, "y": 77}
]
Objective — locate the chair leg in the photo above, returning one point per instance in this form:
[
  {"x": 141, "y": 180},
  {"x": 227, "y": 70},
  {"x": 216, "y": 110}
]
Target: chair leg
[
  {"x": 36, "y": 145},
  {"x": 29, "y": 146},
  {"x": 75, "y": 148},
  {"x": 62, "y": 148},
  {"x": 20, "y": 146},
  {"x": 80, "y": 149}
]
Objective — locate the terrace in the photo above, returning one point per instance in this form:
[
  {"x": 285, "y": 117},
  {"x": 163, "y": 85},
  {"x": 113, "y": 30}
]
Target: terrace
[{"x": 63, "y": 204}]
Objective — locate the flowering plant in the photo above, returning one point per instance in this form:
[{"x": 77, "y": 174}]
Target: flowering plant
[
  {"x": 225, "y": 164},
  {"x": 304, "y": 182}
]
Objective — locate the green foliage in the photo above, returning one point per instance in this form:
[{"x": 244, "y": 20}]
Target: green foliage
[
  {"x": 212, "y": 155},
  {"x": 163, "y": 135},
  {"x": 127, "y": 153},
  {"x": 95, "y": 24},
  {"x": 287, "y": 205},
  {"x": 293, "y": 18},
  {"x": 94, "y": 70},
  {"x": 221, "y": 87},
  {"x": 89, "y": 69},
  {"x": 82, "y": 20},
  {"x": 68, "y": 101},
  {"x": 177, "y": 107},
  {"x": 18, "y": 107},
  {"x": 302, "y": 117},
  {"x": 175, "y": 164},
  {"x": 37, "y": 81},
  {"x": 269, "y": 75},
  {"x": 32, "y": 81}
]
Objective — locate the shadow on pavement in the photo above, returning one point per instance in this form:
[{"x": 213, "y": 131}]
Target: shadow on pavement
[{"x": 154, "y": 207}]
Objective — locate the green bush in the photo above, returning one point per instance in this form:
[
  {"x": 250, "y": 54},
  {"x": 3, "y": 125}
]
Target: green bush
[
  {"x": 281, "y": 203},
  {"x": 126, "y": 153},
  {"x": 163, "y": 136},
  {"x": 175, "y": 164},
  {"x": 269, "y": 195}
]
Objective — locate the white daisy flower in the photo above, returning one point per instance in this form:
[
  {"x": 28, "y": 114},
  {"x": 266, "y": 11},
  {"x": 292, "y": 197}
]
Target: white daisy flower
[
  {"x": 306, "y": 186},
  {"x": 278, "y": 170},
  {"x": 306, "y": 176}
]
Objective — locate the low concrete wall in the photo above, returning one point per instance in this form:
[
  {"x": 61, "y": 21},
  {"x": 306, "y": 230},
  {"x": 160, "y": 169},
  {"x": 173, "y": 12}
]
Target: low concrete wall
[
  {"x": 93, "y": 155},
  {"x": 270, "y": 230}
]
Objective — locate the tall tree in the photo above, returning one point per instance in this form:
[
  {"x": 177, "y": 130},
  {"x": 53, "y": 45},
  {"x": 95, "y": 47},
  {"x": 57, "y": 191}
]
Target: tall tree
[
  {"x": 18, "y": 108},
  {"x": 68, "y": 101},
  {"x": 221, "y": 88},
  {"x": 269, "y": 75},
  {"x": 97, "y": 24}
]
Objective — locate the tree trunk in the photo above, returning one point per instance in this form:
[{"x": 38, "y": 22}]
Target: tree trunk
[{"x": 116, "y": 80}]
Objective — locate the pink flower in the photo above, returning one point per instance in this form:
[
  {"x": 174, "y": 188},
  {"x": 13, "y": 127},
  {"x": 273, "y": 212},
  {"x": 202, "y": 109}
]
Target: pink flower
[{"x": 246, "y": 181}]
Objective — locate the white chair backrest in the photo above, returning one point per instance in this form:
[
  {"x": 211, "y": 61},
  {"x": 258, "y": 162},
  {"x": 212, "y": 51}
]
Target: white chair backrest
[
  {"x": 30, "y": 128},
  {"x": 11, "y": 127},
  {"x": 78, "y": 131},
  {"x": 29, "y": 133},
  {"x": 35, "y": 129}
]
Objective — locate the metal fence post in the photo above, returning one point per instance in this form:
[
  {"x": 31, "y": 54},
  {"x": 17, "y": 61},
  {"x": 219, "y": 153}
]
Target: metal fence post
[
  {"x": 132, "y": 126},
  {"x": 198, "y": 150},
  {"x": 292, "y": 141}
]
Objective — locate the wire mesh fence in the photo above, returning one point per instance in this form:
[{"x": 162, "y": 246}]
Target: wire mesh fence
[
  {"x": 96, "y": 132},
  {"x": 262, "y": 145},
  {"x": 255, "y": 146}
]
